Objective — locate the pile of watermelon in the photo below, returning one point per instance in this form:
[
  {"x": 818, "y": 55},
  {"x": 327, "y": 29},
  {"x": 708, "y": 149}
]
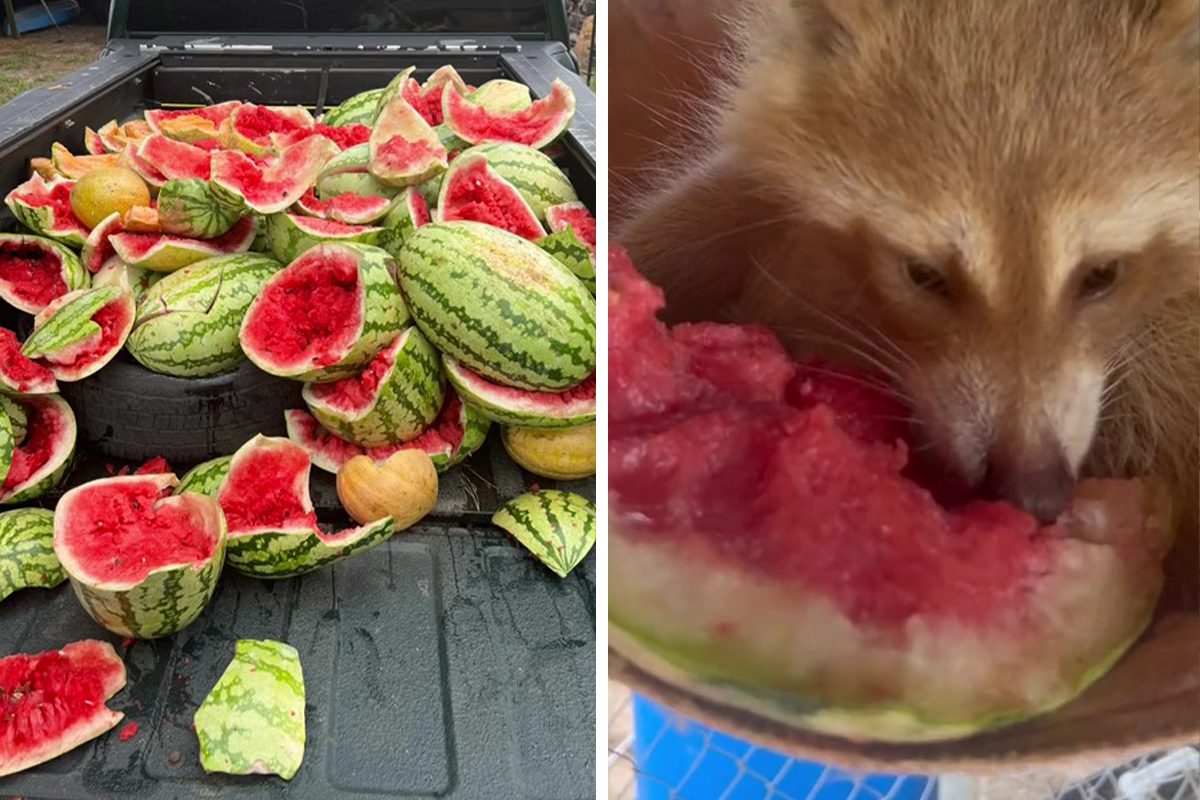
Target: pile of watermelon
[{"x": 413, "y": 257}]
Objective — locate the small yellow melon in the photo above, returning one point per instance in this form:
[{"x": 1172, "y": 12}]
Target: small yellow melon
[
  {"x": 405, "y": 487},
  {"x": 103, "y": 191},
  {"x": 559, "y": 453}
]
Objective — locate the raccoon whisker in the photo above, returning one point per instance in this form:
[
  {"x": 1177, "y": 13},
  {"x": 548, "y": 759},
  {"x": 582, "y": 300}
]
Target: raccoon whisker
[
  {"x": 874, "y": 360},
  {"x": 875, "y": 386}
]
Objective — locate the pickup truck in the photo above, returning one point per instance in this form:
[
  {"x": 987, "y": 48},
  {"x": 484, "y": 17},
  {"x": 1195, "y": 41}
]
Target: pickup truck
[{"x": 446, "y": 662}]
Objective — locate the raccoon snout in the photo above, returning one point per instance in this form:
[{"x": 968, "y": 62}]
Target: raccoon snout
[{"x": 1040, "y": 483}]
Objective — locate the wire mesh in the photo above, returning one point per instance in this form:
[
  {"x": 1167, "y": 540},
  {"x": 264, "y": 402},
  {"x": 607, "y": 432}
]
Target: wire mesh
[{"x": 706, "y": 765}]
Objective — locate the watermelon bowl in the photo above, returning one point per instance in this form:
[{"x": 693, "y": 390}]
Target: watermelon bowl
[{"x": 776, "y": 572}]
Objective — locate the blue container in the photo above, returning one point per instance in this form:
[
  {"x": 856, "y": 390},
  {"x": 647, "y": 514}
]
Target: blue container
[{"x": 679, "y": 759}]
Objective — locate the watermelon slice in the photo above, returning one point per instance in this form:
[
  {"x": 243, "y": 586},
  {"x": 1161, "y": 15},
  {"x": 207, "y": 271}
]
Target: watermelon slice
[
  {"x": 55, "y": 701},
  {"x": 41, "y": 461},
  {"x": 97, "y": 249},
  {"x": 172, "y": 160},
  {"x": 536, "y": 126},
  {"x": 75, "y": 167},
  {"x": 350, "y": 208},
  {"x": 251, "y": 128},
  {"x": 576, "y": 218},
  {"x": 289, "y": 235},
  {"x": 20, "y": 375},
  {"x": 429, "y": 100},
  {"x": 344, "y": 136},
  {"x": 775, "y": 557},
  {"x": 510, "y": 406},
  {"x": 45, "y": 208},
  {"x": 271, "y": 186},
  {"x": 403, "y": 149},
  {"x": 80, "y": 332},
  {"x": 472, "y": 190},
  {"x": 167, "y": 253},
  {"x": 190, "y": 124},
  {"x": 35, "y": 271}
]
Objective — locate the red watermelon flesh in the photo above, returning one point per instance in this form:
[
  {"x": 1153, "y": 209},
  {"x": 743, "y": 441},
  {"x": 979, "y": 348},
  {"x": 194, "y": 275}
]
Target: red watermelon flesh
[
  {"x": 45, "y": 426},
  {"x": 271, "y": 184},
  {"x": 344, "y": 136},
  {"x": 708, "y": 411},
  {"x": 173, "y": 159},
  {"x": 37, "y": 193},
  {"x": 148, "y": 171},
  {"x": 359, "y": 392},
  {"x": 134, "y": 247},
  {"x": 354, "y": 209},
  {"x": 115, "y": 320},
  {"x": 309, "y": 315},
  {"x": 262, "y": 492},
  {"x": 257, "y": 123},
  {"x": 474, "y": 191},
  {"x": 20, "y": 373},
  {"x": 576, "y": 217},
  {"x": 53, "y": 702},
  {"x": 535, "y": 126},
  {"x": 216, "y": 114},
  {"x": 31, "y": 273},
  {"x": 120, "y": 534}
]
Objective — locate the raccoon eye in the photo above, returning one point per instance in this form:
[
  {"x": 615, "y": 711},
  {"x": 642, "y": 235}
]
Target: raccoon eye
[
  {"x": 926, "y": 278},
  {"x": 1098, "y": 280}
]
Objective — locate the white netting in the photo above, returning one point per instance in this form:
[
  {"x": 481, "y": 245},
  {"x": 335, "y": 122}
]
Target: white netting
[{"x": 656, "y": 755}]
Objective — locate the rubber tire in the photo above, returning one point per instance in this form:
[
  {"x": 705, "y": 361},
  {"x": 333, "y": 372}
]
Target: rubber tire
[{"x": 128, "y": 412}]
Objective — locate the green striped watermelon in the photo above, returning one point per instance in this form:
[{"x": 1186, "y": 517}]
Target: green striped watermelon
[
  {"x": 531, "y": 172},
  {"x": 143, "y": 563},
  {"x": 502, "y": 95},
  {"x": 346, "y": 173},
  {"x": 189, "y": 208},
  {"x": 394, "y": 399},
  {"x": 509, "y": 406},
  {"x": 80, "y": 332},
  {"x": 271, "y": 186},
  {"x": 409, "y": 212},
  {"x": 404, "y": 150},
  {"x": 450, "y": 140},
  {"x": 187, "y": 324},
  {"x": 557, "y": 527},
  {"x": 536, "y": 125},
  {"x": 325, "y": 315},
  {"x": 390, "y": 92},
  {"x": 27, "y": 557},
  {"x": 35, "y": 270},
  {"x": 7, "y": 445},
  {"x": 17, "y": 416},
  {"x": 42, "y": 459},
  {"x": 205, "y": 478},
  {"x": 273, "y": 530},
  {"x": 500, "y": 305},
  {"x": 472, "y": 190},
  {"x": 572, "y": 254},
  {"x": 167, "y": 253},
  {"x": 45, "y": 208},
  {"x": 252, "y": 722},
  {"x": 291, "y": 234},
  {"x": 358, "y": 110}
]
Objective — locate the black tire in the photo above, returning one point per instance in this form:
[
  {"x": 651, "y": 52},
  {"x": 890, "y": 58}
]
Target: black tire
[{"x": 128, "y": 412}]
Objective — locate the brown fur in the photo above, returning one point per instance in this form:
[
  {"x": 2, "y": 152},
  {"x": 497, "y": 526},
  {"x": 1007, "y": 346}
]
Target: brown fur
[{"x": 1011, "y": 144}]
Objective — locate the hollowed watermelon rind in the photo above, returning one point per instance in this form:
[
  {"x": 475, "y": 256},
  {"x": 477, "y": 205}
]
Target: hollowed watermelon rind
[
  {"x": 542, "y": 122},
  {"x": 27, "y": 557},
  {"x": 472, "y": 190},
  {"x": 290, "y": 235},
  {"x": 55, "y": 469},
  {"x": 70, "y": 271},
  {"x": 557, "y": 527},
  {"x": 41, "y": 219},
  {"x": 288, "y": 554},
  {"x": 168, "y": 253},
  {"x": 59, "y": 327},
  {"x": 170, "y": 597},
  {"x": 404, "y": 150},
  {"x": 533, "y": 410}
]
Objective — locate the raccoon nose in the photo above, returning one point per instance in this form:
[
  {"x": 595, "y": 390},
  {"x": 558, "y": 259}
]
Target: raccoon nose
[{"x": 1040, "y": 486}]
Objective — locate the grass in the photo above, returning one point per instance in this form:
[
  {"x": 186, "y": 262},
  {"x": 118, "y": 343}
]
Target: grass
[{"x": 44, "y": 57}]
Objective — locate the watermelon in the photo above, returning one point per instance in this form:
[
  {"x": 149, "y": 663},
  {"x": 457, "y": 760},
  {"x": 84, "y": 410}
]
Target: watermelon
[
  {"x": 509, "y": 406},
  {"x": 275, "y": 184},
  {"x": 768, "y": 551},
  {"x": 41, "y": 461},
  {"x": 81, "y": 331},
  {"x": 92, "y": 141},
  {"x": 403, "y": 149},
  {"x": 189, "y": 208},
  {"x": 456, "y": 433},
  {"x": 148, "y": 172},
  {"x": 252, "y": 722},
  {"x": 97, "y": 249},
  {"x": 171, "y": 159},
  {"x": 559, "y": 528},
  {"x": 250, "y": 127},
  {"x": 27, "y": 551},
  {"x": 390, "y": 92},
  {"x": 531, "y": 172},
  {"x": 499, "y": 305},
  {"x": 325, "y": 315},
  {"x": 75, "y": 167},
  {"x": 573, "y": 254},
  {"x": 35, "y": 270},
  {"x": 116, "y": 272},
  {"x": 43, "y": 167},
  {"x": 187, "y": 324},
  {"x": 472, "y": 190},
  {"x": 350, "y": 208},
  {"x": 205, "y": 478},
  {"x": 409, "y": 212},
  {"x": 20, "y": 375},
  {"x": 344, "y": 137},
  {"x": 536, "y": 126},
  {"x": 167, "y": 253},
  {"x": 143, "y": 562},
  {"x": 17, "y": 417},
  {"x": 573, "y": 217},
  {"x": 290, "y": 234},
  {"x": 191, "y": 124},
  {"x": 346, "y": 173},
  {"x": 67, "y": 707},
  {"x": 116, "y": 137},
  {"x": 273, "y": 530},
  {"x": 502, "y": 95},
  {"x": 45, "y": 208},
  {"x": 393, "y": 400},
  {"x": 358, "y": 110},
  {"x": 429, "y": 100}
]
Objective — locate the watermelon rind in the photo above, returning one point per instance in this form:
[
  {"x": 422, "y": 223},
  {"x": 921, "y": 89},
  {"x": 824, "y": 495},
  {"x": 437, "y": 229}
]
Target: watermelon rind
[
  {"x": 357, "y": 110},
  {"x": 189, "y": 208},
  {"x": 170, "y": 597},
  {"x": 169, "y": 253},
  {"x": 18, "y": 417},
  {"x": 406, "y": 399},
  {"x": 269, "y": 188},
  {"x": 500, "y": 305},
  {"x": 545, "y": 120},
  {"x": 252, "y": 722},
  {"x": 173, "y": 159},
  {"x": 369, "y": 208},
  {"x": 67, "y": 324},
  {"x": 401, "y": 121},
  {"x": 941, "y": 680},
  {"x": 529, "y": 410},
  {"x": 205, "y": 478},
  {"x": 475, "y": 431},
  {"x": 384, "y": 313},
  {"x": 289, "y": 235},
  {"x": 518, "y": 216},
  {"x": 87, "y": 654},
  {"x": 531, "y": 172},
  {"x": 55, "y": 469},
  {"x": 116, "y": 272},
  {"x": 40, "y": 219},
  {"x": 558, "y": 527},
  {"x": 573, "y": 254},
  {"x": 502, "y": 95},
  {"x": 71, "y": 270},
  {"x": 409, "y": 211},
  {"x": 391, "y": 92},
  {"x": 187, "y": 324},
  {"x": 27, "y": 557},
  {"x": 7, "y": 444},
  {"x": 234, "y": 139},
  {"x": 346, "y": 173},
  {"x": 214, "y": 114}
]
